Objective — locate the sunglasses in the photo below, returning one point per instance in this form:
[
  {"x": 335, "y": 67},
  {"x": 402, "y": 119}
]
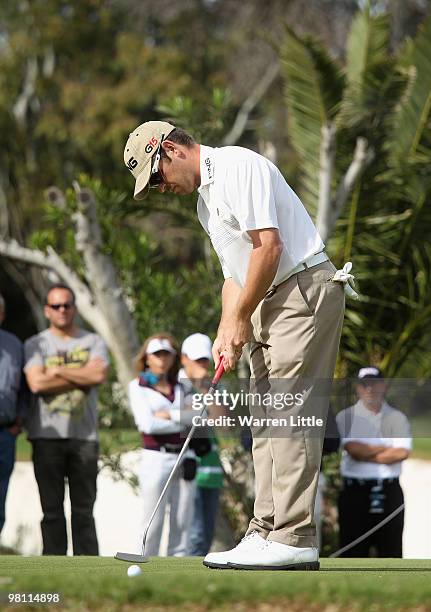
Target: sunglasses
[
  {"x": 66, "y": 306},
  {"x": 156, "y": 177}
]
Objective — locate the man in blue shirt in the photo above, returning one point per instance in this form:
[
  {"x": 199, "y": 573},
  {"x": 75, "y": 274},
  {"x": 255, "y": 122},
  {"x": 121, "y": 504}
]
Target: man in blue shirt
[{"x": 11, "y": 405}]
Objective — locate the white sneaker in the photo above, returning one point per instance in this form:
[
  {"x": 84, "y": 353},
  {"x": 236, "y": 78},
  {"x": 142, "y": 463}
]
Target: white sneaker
[
  {"x": 275, "y": 556},
  {"x": 220, "y": 560}
]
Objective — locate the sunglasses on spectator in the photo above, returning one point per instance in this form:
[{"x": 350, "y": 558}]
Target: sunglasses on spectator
[
  {"x": 156, "y": 177},
  {"x": 66, "y": 306}
]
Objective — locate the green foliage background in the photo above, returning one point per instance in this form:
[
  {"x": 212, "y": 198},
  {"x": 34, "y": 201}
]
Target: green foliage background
[{"x": 77, "y": 77}]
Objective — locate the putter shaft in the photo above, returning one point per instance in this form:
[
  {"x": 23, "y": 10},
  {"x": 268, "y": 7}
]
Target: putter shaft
[{"x": 142, "y": 558}]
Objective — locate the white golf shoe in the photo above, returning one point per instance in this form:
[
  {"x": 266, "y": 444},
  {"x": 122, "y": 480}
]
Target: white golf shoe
[
  {"x": 275, "y": 556},
  {"x": 250, "y": 544}
]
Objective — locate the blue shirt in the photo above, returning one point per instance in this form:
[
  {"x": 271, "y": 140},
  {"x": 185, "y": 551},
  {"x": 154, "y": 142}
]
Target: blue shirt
[{"x": 11, "y": 364}]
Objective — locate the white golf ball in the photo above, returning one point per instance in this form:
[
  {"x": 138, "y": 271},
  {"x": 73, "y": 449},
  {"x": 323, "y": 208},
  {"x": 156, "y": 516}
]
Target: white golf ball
[{"x": 134, "y": 570}]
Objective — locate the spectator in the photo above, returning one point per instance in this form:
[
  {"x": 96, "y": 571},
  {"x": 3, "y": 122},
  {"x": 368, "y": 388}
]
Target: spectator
[
  {"x": 376, "y": 438},
  {"x": 194, "y": 376},
  {"x": 64, "y": 366},
  {"x": 12, "y": 405},
  {"x": 155, "y": 398}
]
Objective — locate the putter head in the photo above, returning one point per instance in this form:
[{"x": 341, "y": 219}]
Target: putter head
[{"x": 130, "y": 558}]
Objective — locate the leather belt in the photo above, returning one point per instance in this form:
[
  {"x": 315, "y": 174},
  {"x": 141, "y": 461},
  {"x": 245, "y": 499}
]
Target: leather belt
[
  {"x": 352, "y": 482},
  {"x": 312, "y": 261},
  {"x": 165, "y": 448}
]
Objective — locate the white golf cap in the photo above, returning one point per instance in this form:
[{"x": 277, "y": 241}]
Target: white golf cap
[
  {"x": 139, "y": 150},
  {"x": 197, "y": 346},
  {"x": 369, "y": 372},
  {"x": 160, "y": 344}
]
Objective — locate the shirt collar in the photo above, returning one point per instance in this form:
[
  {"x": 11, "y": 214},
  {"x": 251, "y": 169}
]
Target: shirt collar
[
  {"x": 206, "y": 166},
  {"x": 182, "y": 374},
  {"x": 383, "y": 409}
]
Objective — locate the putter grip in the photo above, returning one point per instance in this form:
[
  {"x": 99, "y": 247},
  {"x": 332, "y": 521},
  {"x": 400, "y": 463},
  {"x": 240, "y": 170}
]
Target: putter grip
[{"x": 218, "y": 374}]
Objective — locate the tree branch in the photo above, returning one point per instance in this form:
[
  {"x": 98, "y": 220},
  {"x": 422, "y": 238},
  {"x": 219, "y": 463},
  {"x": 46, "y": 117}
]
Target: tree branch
[
  {"x": 362, "y": 157},
  {"x": 88, "y": 241},
  {"x": 56, "y": 197},
  {"x": 331, "y": 208},
  {"x": 52, "y": 261},
  {"x": 102, "y": 302},
  {"x": 250, "y": 103},
  {"x": 122, "y": 338},
  {"x": 326, "y": 171},
  {"x": 49, "y": 60},
  {"x": 4, "y": 211},
  {"x": 21, "y": 105}
]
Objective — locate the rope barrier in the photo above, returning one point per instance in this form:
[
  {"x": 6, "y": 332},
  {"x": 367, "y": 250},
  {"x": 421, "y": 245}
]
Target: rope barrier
[{"x": 368, "y": 533}]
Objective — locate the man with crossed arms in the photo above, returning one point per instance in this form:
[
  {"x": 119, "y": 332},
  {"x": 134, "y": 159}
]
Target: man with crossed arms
[
  {"x": 376, "y": 439},
  {"x": 64, "y": 365},
  {"x": 279, "y": 294}
]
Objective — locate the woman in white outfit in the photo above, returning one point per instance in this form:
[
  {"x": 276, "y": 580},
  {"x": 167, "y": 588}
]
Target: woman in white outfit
[{"x": 155, "y": 399}]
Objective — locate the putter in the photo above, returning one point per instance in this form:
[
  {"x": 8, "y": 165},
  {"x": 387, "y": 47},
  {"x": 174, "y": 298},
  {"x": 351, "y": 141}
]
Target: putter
[{"x": 142, "y": 558}]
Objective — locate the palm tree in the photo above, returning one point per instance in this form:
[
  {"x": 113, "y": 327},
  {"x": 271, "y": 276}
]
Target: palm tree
[{"x": 362, "y": 136}]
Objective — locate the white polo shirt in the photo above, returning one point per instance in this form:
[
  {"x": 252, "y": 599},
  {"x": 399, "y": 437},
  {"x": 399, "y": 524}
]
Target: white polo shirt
[
  {"x": 241, "y": 190},
  {"x": 389, "y": 427}
]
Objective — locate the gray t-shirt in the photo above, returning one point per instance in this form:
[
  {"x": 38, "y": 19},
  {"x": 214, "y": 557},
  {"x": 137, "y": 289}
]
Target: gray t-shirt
[
  {"x": 70, "y": 414},
  {"x": 11, "y": 362}
]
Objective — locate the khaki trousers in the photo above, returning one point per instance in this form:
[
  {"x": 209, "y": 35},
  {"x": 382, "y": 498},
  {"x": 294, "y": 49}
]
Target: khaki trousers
[{"x": 294, "y": 349}]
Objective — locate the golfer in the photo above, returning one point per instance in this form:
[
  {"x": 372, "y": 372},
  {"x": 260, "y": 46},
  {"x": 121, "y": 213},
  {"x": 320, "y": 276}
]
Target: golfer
[{"x": 280, "y": 294}]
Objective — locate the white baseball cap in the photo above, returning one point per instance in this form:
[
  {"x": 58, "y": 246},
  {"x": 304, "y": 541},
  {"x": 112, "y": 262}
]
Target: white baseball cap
[
  {"x": 160, "y": 344},
  {"x": 197, "y": 346},
  {"x": 140, "y": 147},
  {"x": 369, "y": 372}
]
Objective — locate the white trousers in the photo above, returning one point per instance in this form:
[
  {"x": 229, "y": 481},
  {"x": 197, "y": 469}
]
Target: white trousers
[{"x": 154, "y": 472}]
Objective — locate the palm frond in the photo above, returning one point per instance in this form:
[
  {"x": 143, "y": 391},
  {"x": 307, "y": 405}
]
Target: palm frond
[
  {"x": 313, "y": 90},
  {"x": 367, "y": 45},
  {"x": 371, "y": 82},
  {"x": 411, "y": 117}
]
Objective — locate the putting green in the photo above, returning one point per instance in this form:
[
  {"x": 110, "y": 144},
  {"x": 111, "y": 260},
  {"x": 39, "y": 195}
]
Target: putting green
[{"x": 101, "y": 583}]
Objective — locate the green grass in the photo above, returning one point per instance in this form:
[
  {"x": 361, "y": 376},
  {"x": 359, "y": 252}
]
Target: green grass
[
  {"x": 422, "y": 448},
  {"x": 128, "y": 439},
  {"x": 23, "y": 448},
  {"x": 421, "y": 445},
  {"x": 113, "y": 440},
  {"x": 185, "y": 584}
]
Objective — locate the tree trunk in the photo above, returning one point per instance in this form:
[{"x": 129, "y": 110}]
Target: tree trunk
[
  {"x": 121, "y": 335},
  {"x": 100, "y": 300},
  {"x": 329, "y": 208},
  {"x": 326, "y": 171}
]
